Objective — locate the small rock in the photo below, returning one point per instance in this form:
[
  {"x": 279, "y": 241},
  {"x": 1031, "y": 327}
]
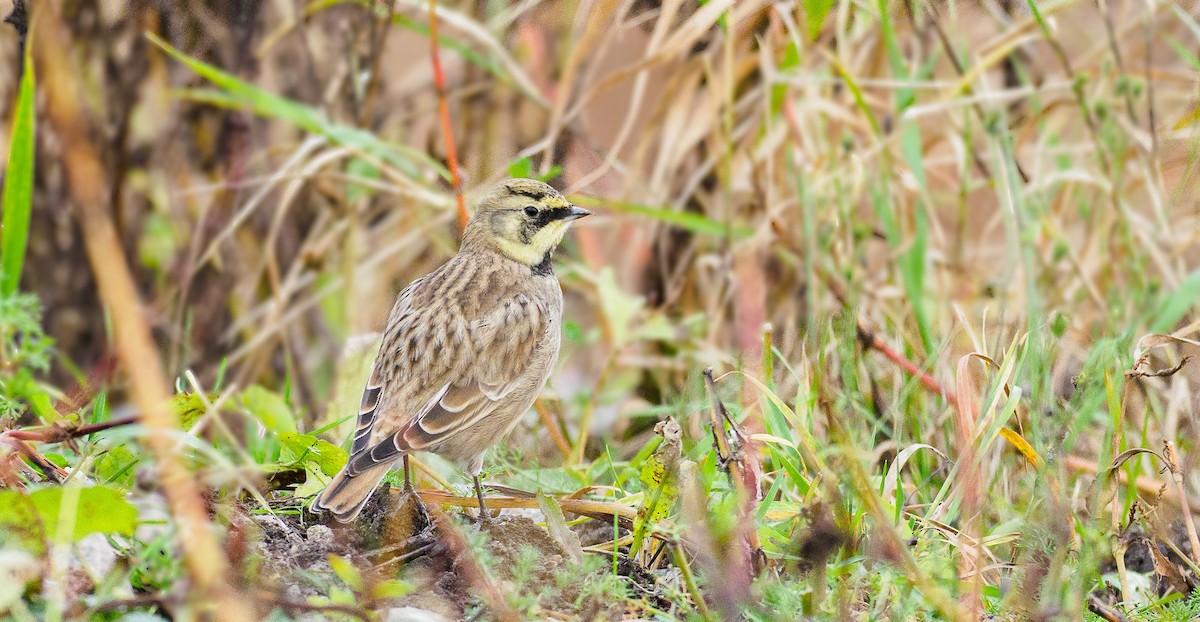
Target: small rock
[
  {"x": 320, "y": 535},
  {"x": 96, "y": 556},
  {"x": 413, "y": 614},
  {"x": 293, "y": 593}
]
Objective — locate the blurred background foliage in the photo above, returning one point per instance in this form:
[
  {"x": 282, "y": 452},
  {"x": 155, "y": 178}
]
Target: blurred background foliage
[{"x": 841, "y": 202}]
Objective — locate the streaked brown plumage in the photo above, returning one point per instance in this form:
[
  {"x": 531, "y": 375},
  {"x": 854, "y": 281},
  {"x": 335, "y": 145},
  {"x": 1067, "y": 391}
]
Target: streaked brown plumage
[{"x": 467, "y": 347}]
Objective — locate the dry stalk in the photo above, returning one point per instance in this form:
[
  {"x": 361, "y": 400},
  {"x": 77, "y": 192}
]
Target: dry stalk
[
  {"x": 741, "y": 462},
  {"x": 552, "y": 428},
  {"x": 205, "y": 561},
  {"x": 1146, "y": 485},
  {"x": 1177, "y": 475},
  {"x": 966, "y": 409}
]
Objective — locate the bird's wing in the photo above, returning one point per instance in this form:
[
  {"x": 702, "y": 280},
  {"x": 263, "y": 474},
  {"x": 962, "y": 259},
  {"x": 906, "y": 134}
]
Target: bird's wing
[
  {"x": 368, "y": 406},
  {"x": 452, "y": 386}
]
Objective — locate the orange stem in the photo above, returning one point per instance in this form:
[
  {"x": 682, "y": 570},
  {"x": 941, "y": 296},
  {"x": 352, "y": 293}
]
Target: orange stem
[{"x": 439, "y": 85}]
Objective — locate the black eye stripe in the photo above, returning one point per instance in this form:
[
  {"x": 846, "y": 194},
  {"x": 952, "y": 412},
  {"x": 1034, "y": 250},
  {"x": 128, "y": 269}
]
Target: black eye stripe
[
  {"x": 548, "y": 216},
  {"x": 533, "y": 194}
]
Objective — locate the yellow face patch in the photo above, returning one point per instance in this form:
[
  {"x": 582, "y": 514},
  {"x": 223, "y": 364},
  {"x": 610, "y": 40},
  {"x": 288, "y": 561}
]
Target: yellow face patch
[{"x": 542, "y": 242}]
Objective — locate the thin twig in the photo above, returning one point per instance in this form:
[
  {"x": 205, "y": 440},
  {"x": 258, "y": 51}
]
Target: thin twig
[
  {"x": 59, "y": 433},
  {"x": 439, "y": 85}
]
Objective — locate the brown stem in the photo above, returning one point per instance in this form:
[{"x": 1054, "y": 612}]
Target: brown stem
[
  {"x": 58, "y": 433},
  {"x": 135, "y": 347},
  {"x": 556, "y": 433}
]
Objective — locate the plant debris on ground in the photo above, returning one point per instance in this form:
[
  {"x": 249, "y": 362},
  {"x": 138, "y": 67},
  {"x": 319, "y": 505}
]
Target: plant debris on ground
[{"x": 888, "y": 311}]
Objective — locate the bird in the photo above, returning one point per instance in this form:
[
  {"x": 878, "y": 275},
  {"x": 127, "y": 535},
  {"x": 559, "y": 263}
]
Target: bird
[{"x": 467, "y": 347}]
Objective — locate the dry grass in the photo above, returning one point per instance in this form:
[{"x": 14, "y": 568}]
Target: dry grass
[{"x": 927, "y": 236}]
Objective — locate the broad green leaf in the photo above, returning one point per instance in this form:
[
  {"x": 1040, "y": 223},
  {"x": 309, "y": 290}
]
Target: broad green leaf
[
  {"x": 619, "y": 306},
  {"x": 188, "y": 408},
  {"x": 392, "y": 588},
  {"x": 521, "y": 168},
  {"x": 524, "y": 168},
  {"x": 304, "y": 449},
  {"x": 353, "y": 370},
  {"x": 34, "y": 517},
  {"x": 556, "y": 524},
  {"x": 554, "y": 480},
  {"x": 115, "y": 466},
  {"x": 346, "y": 571},
  {"x": 656, "y": 328},
  {"x": 268, "y": 408},
  {"x": 362, "y": 169},
  {"x": 18, "y": 184}
]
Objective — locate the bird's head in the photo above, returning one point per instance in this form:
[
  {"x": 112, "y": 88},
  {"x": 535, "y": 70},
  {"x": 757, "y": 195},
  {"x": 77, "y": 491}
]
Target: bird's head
[{"x": 524, "y": 219}]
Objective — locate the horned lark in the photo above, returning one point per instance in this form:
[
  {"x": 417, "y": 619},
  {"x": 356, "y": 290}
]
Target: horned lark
[{"x": 467, "y": 347}]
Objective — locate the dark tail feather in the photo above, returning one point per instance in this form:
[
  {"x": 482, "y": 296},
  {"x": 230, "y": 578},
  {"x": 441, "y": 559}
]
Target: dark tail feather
[{"x": 346, "y": 495}]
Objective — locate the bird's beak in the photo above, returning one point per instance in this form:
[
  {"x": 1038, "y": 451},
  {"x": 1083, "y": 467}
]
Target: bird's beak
[{"x": 576, "y": 212}]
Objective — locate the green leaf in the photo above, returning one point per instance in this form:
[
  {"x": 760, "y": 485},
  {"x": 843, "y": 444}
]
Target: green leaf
[
  {"x": 34, "y": 517},
  {"x": 353, "y": 370},
  {"x": 656, "y": 328},
  {"x": 188, "y": 408},
  {"x": 556, "y": 524},
  {"x": 239, "y": 94},
  {"x": 1176, "y": 304},
  {"x": 521, "y": 168},
  {"x": 392, "y": 588},
  {"x": 362, "y": 169},
  {"x": 304, "y": 449},
  {"x": 115, "y": 466},
  {"x": 269, "y": 409},
  {"x": 815, "y": 12},
  {"x": 660, "y": 475},
  {"x": 18, "y": 184},
  {"x": 691, "y": 221},
  {"x": 619, "y": 306},
  {"x": 346, "y": 572}
]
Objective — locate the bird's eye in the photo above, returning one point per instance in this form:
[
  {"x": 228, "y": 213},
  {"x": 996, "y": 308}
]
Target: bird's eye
[{"x": 531, "y": 211}]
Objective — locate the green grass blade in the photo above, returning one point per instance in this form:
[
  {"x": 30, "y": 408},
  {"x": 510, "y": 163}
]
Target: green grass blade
[
  {"x": 693, "y": 222},
  {"x": 237, "y": 93},
  {"x": 18, "y": 185},
  {"x": 1176, "y": 304}
]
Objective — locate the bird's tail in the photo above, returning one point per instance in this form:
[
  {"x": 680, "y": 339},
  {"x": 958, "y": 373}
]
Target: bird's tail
[{"x": 346, "y": 495}]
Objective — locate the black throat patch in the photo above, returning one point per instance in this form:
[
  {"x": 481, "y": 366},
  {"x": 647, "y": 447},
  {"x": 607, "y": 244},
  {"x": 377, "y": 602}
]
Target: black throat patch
[{"x": 544, "y": 268}]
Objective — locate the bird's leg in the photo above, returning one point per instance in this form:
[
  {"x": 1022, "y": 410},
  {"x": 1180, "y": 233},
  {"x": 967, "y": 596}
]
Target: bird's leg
[
  {"x": 483, "y": 513},
  {"x": 407, "y": 479}
]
